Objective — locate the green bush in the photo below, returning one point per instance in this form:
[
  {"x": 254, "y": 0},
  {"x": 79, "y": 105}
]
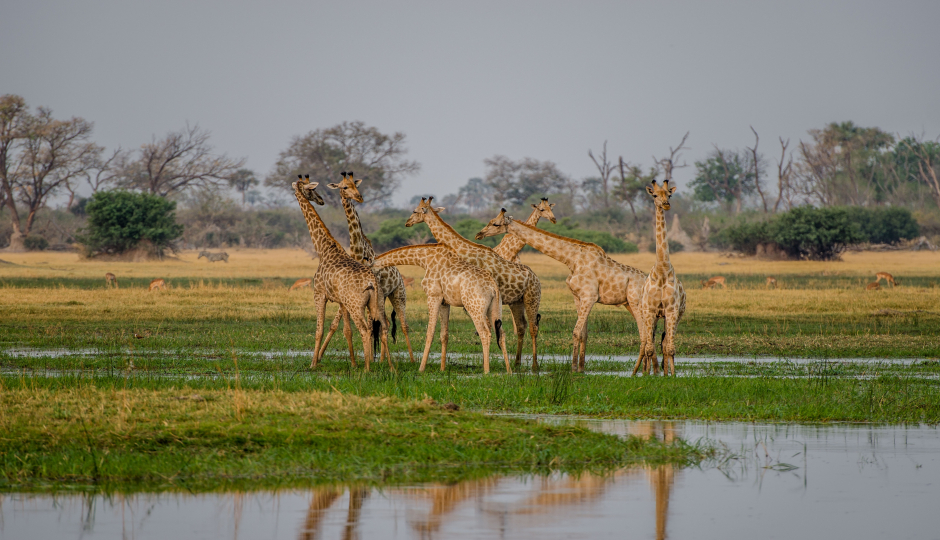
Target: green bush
[
  {"x": 118, "y": 221},
  {"x": 745, "y": 237},
  {"x": 392, "y": 234},
  {"x": 884, "y": 225},
  {"x": 569, "y": 228},
  {"x": 818, "y": 234},
  {"x": 35, "y": 243}
]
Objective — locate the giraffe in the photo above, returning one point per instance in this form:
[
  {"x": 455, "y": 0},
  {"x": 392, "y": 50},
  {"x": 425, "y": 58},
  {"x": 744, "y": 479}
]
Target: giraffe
[
  {"x": 451, "y": 281},
  {"x": 390, "y": 282},
  {"x": 510, "y": 246},
  {"x": 519, "y": 287},
  {"x": 663, "y": 293},
  {"x": 340, "y": 279},
  {"x": 110, "y": 279},
  {"x": 595, "y": 277}
]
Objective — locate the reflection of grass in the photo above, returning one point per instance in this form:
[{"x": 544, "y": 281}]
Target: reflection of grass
[{"x": 168, "y": 438}]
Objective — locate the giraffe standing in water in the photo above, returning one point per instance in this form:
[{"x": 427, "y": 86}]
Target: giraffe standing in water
[
  {"x": 510, "y": 246},
  {"x": 595, "y": 277},
  {"x": 663, "y": 293},
  {"x": 451, "y": 281},
  {"x": 341, "y": 279},
  {"x": 519, "y": 287},
  {"x": 390, "y": 282}
]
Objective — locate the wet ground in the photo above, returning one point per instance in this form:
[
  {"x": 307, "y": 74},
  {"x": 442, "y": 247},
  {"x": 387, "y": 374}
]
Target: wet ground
[{"x": 784, "y": 481}]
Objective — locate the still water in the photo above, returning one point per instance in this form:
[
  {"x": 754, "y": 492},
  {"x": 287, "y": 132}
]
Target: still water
[{"x": 786, "y": 481}]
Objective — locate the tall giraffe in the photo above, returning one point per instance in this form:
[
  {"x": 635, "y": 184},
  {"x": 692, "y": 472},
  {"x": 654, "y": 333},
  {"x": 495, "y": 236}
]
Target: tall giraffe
[
  {"x": 391, "y": 284},
  {"x": 510, "y": 246},
  {"x": 452, "y": 281},
  {"x": 340, "y": 279},
  {"x": 519, "y": 287},
  {"x": 663, "y": 293},
  {"x": 595, "y": 277}
]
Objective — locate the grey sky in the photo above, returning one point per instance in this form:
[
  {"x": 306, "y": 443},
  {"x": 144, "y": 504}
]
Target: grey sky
[{"x": 465, "y": 81}]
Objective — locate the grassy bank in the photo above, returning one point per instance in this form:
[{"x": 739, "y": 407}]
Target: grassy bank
[{"x": 207, "y": 439}]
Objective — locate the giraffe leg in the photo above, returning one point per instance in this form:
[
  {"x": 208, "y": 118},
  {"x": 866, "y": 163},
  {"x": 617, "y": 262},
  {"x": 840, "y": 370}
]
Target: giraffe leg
[
  {"x": 434, "y": 305},
  {"x": 532, "y": 302},
  {"x": 399, "y": 304},
  {"x": 669, "y": 343},
  {"x": 321, "y": 313},
  {"x": 518, "y": 324},
  {"x": 329, "y": 334},
  {"x": 444, "y": 315},
  {"x": 365, "y": 332},
  {"x": 580, "y": 333},
  {"x": 497, "y": 323},
  {"x": 348, "y": 334},
  {"x": 481, "y": 323},
  {"x": 647, "y": 324}
]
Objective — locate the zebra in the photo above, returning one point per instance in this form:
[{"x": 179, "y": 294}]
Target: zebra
[{"x": 213, "y": 257}]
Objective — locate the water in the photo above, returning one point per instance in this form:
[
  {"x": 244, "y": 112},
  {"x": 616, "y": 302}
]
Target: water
[{"x": 789, "y": 481}]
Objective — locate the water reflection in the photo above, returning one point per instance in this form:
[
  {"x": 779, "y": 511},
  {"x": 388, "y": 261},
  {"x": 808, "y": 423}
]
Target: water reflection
[{"x": 851, "y": 481}]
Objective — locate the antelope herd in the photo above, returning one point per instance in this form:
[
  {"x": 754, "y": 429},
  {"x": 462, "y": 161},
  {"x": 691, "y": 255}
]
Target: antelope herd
[{"x": 460, "y": 273}]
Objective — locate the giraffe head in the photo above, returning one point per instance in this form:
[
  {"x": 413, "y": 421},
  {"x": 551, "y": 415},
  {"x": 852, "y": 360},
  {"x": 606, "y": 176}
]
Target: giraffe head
[
  {"x": 348, "y": 187},
  {"x": 660, "y": 195},
  {"x": 421, "y": 212},
  {"x": 499, "y": 225},
  {"x": 307, "y": 189},
  {"x": 545, "y": 209}
]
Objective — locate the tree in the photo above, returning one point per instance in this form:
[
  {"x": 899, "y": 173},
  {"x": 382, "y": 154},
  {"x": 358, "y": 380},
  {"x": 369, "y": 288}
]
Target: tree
[
  {"x": 785, "y": 191},
  {"x": 632, "y": 183},
  {"x": 844, "y": 165},
  {"x": 351, "y": 146},
  {"x": 515, "y": 181},
  {"x": 119, "y": 221},
  {"x": 725, "y": 175},
  {"x": 242, "y": 181},
  {"x": 475, "y": 195},
  {"x": 604, "y": 169},
  {"x": 918, "y": 162},
  {"x": 757, "y": 168},
  {"x": 38, "y": 156},
  {"x": 181, "y": 160}
]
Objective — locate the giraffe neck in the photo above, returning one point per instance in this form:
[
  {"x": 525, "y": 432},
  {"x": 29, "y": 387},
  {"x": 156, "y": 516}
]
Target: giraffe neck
[
  {"x": 511, "y": 245},
  {"x": 358, "y": 243},
  {"x": 662, "y": 245},
  {"x": 423, "y": 256},
  {"x": 445, "y": 234},
  {"x": 323, "y": 241},
  {"x": 561, "y": 249}
]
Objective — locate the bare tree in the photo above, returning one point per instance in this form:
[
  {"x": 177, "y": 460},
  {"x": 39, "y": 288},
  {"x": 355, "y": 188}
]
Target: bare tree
[
  {"x": 350, "y": 146},
  {"x": 632, "y": 183},
  {"x": 13, "y": 119},
  {"x": 668, "y": 164},
  {"x": 515, "y": 181},
  {"x": 52, "y": 153},
  {"x": 756, "y": 160},
  {"x": 181, "y": 160},
  {"x": 784, "y": 173},
  {"x": 604, "y": 168}
]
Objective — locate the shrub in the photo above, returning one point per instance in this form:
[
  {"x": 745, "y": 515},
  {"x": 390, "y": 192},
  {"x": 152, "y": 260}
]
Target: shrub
[
  {"x": 815, "y": 233},
  {"x": 35, "y": 243},
  {"x": 611, "y": 244},
  {"x": 119, "y": 221},
  {"x": 745, "y": 237},
  {"x": 392, "y": 233},
  {"x": 884, "y": 225}
]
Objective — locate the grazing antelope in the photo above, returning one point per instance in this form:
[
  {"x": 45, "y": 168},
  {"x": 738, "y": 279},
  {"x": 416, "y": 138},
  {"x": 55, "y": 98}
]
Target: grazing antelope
[
  {"x": 887, "y": 277},
  {"x": 772, "y": 282},
  {"x": 301, "y": 283},
  {"x": 213, "y": 257},
  {"x": 157, "y": 284},
  {"x": 409, "y": 282},
  {"x": 873, "y": 286},
  {"x": 110, "y": 279},
  {"x": 712, "y": 281}
]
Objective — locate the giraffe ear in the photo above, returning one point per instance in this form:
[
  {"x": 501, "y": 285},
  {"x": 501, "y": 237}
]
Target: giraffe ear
[
  {"x": 649, "y": 190},
  {"x": 358, "y": 181},
  {"x": 535, "y": 206},
  {"x": 313, "y": 185},
  {"x": 440, "y": 209},
  {"x": 551, "y": 205},
  {"x": 672, "y": 190},
  {"x": 333, "y": 186}
]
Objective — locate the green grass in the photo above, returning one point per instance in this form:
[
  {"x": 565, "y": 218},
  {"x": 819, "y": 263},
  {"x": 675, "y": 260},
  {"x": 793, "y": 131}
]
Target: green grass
[{"x": 58, "y": 433}]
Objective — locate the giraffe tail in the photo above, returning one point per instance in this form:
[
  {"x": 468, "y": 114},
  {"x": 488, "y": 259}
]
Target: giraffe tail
[
  {"x": 376, "y": 330},
  {"x": 393, "y": 327},
  {"x": 498, "y": 325},
  {"x": 538, "y": 319}
]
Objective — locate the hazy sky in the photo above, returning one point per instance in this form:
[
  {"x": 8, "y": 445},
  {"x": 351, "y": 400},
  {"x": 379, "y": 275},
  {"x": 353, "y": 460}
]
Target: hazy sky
[{"x": 466, "y": 81}]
